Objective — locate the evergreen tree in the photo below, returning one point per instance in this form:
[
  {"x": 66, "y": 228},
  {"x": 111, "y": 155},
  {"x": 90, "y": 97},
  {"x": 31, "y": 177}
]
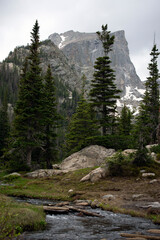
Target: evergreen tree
[
  {"x": 4, "y": 128},
  {"x": 147, "y": 121},
  {"x": 29, "y": 106},
  {"x": 82, "y": 125},
  {"x": 103, "y": 92},
  {"x": 50, "y": 118},
  {"x": 125, "y": 121}
]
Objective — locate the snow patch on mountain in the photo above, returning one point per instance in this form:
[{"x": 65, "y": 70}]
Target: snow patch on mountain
[
  {"x": 135, "y": 94},
  {"x": 141, "y": 91},
  {"x": 61, "y": 44}
]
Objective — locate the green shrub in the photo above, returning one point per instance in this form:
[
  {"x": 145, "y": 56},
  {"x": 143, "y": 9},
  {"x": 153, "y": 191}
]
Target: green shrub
[
  {"x": 16, "y": 218},
  {"x": 11, "y": 177},
  {"x": 142, "y": 158},
  {"x": 121, "y": 165},
  {"x": 158, "y": 157},
  {"x": 118, "y": 142},
  {"x": 7, "y": 230},
  {"x": 155, "y": 149}
]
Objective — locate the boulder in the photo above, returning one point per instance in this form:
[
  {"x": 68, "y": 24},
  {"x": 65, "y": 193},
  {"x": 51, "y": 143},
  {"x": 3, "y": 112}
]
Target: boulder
[
  {"x": 95, "y": 175},
  {"x": 91, "y": 156},
  {"x": 42, "y": 173},
  {"x": 148, "y": 175},
  {"x": 150, "y": 146},
  {"x": 126, "y": 152},
  {"x": 136, "y": 197},
  {"x": 12, "y": 175},
  {"x": 55, "y": 166},
  {"x": 109, "y": 197}
]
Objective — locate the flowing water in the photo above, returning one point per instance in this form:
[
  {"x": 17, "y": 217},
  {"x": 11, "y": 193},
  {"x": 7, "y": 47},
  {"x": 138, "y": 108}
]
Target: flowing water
[{"x": 72, "y": 226}]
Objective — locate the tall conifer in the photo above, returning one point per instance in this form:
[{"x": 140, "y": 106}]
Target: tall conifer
[
  {"x": 124, "y": 125},
  {"x": 147, "y": 121},
  {"x": 4, "y": 128},
  {"x": 82, "y": 125},
  {"x": 104, "y": 92},
  {"x": 29, "y": 106},
  {"x": 50, "y": 119}
]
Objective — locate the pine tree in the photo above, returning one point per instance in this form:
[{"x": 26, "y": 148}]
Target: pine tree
[
  {"x": 147, "y": 121},
  {"x": 151, "y": 99},
  {"x": 104, "y": 92},
  {"x": 29, "y": 106},
  {"x": 125, "y": 121},
  {"x": 4, "y": 128},
  {"x": 50, "y": 118},
  {"x": 82, "y": 125}
]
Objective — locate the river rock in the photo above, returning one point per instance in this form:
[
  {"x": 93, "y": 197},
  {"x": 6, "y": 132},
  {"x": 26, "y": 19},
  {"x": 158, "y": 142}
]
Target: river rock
[
  {"x": 153, "y": 208},
  {"x": 95, "y": 175},
  {"x": 91, "y": 156},
  {"x": 95, "y": 203},
  {"x": 109, "y": 197},
  {"x": 83, "y": 202}
]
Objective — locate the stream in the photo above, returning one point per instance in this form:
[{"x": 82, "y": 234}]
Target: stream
[{"x": 72, "y": 226}]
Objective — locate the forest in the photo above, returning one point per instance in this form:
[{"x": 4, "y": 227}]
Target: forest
[
  {"x": 43, "y": 120},
  {"x": 42, "y": 130}
]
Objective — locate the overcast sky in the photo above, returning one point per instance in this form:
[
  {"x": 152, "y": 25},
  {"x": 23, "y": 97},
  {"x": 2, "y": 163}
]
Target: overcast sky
[{"x": 140, "y": 19}]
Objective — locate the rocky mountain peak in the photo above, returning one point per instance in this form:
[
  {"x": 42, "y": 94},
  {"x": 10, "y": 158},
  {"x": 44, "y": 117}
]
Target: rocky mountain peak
[{"x": 82, "y": 49}]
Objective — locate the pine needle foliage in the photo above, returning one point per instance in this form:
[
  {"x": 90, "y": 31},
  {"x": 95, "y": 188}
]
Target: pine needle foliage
[
  {"x": 50, "y": 119},
  {"x": 103, "y": 93},
  {"x": 27, "y": 126},
  {"x": 148, "y": 119}
]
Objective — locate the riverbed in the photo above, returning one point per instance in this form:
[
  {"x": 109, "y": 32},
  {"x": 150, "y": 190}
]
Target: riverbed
[{"x": 73, "y": 226}]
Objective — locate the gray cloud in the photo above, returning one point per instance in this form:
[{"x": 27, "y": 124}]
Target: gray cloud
[{"x": 139, "y": 18}]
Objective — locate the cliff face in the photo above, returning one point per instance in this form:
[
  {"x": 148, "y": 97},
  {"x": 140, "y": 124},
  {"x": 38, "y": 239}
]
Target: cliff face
[
  {"x": 66, "y": 77},
  {"x": 70, "y": 55},
  {"x": 82, "y": 49}
]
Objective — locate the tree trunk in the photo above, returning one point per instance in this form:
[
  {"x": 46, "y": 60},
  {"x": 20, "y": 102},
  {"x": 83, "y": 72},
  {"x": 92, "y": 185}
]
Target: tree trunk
[
  {"x": 29, "y": 157},
  {"x": 104, "y": 121}
]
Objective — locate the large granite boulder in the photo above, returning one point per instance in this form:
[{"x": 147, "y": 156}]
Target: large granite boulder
[
  {"x": 91, "y": 156},
  {"x": 95, "y": 175}
]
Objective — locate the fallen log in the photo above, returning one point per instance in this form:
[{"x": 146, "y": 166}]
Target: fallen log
[
  {"x": 83, "y": 204},
  {"x": 156, "y": 231},
  {"x": 139, "y": 236},
  {"x": 61, "y": 204},
  {"x": 66, "y": 209},
  {"x": 52, "y": 209},
  {"x": 87, "y": 213},
  {"x": 135, "y": 239}
]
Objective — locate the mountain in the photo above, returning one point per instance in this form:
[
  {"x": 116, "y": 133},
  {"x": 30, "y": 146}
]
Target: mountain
[
  {"x": 82, "y": 49},
  {"x": 71, "y": 54},
  {"x": 66, "y": 79}
]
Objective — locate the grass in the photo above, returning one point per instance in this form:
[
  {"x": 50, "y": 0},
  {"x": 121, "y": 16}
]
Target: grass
[
  {"x": 57, "y": 188},
  {"x": 154, "y": 218},
  {"x": 49, "y": 188},
  {"x": 18, "y": 217}
]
